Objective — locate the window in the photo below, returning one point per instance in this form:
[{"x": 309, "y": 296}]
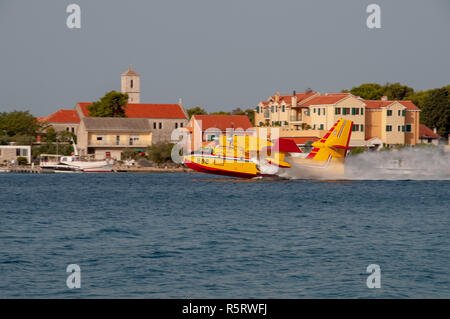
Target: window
[
  {"x": 404, "y": 113},
  {"x": 399, "y": 112},
  {"x": 260, "y": 123},
  {"x": 134, "y": 140},
  {"x": 408, "y": 128},
  {"x": 318, "y": 111},
  {"x": 337, "y": 111},
  {"x": 362, "y": 111},
  {"x": 323, "y": 111},
  {"x": 388, "y": 128},
  {"x": 160, "y": 125},
  {"x": 355, "y": 127},
  {"x": 314, "y": 110},
  {"x": 399, "y": 128},
  {"x": 257, "y": 109},
  {"x": 67, "y": 129},
  {"x": 17, "y": 151},
  {"x": 154, "y": 125},
  {"x": 283, "y": 108},
  {"x": 321, "y": 127},
  {"x": 210, "y": 138},
  {"x": 117, "y": 139},
  {"x": 176, "y": 125},
  {"x": 131, "y": 83},
  {"x": 24, "y": 152},
  {"x": 345, "y": 110},
  {"x": 181, "y": 124},
  {"x": 403, "y": 128},
  {"x": 361, "y": 127},
  {"x": 73, "y": 130},
  {"x": 101, "y": 138},
  {"x": 272, "y": 108},
  {"x": 389, "y": 112}
]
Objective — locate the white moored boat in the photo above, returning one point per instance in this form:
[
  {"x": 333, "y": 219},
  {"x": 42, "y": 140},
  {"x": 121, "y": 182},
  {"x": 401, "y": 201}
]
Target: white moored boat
[{"x": 74, "y": 163}]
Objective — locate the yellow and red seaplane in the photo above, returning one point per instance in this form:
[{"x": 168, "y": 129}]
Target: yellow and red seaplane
[{"x": 250, "y": 156}]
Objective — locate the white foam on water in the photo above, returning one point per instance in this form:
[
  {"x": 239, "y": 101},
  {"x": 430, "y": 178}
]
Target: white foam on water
[{"x": 424, "y": 163}]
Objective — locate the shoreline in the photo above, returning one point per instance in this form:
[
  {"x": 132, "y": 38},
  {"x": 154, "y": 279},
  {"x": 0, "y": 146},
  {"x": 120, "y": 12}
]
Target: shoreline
[{"x": 39, "y": 170}]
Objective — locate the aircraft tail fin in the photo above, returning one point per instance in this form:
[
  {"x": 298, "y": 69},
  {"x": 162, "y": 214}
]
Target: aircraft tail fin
[{"x": 334, "y": 145}]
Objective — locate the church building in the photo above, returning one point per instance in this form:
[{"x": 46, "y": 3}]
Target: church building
[{"x": 145, "y": 123}]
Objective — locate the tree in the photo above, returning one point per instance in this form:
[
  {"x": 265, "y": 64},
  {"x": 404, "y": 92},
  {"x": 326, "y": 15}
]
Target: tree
[
  {"x": 113, "y": 104},
  {"x": 435, "y": 111},
  {"x": 55, "y": 143},
  {"x": 251, "y": 115},
  {"x": 18, "y": 123},
  {"x": 368, "y": 91},
  {"x": 237, "y": 111},
  {"x": 160, "y": 152},
  {"x": 196, "y": 111},
  {"x": 417, "y": 97},
  {"x": 396, "y": 91},
  {"x": 50, "y": 135},
  {"x": 220, "y": 113}
]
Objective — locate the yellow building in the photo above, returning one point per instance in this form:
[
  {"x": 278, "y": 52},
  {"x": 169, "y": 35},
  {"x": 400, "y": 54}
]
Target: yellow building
[
  {"x": 374, "y": 122},
  {"x": 394, "y": 122},
  {"x": 108, "y": 137}
]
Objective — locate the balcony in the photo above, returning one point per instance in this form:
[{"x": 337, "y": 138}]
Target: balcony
[
  {"x": 296, "y": 119},
  {"x": 122, "y": 142}
]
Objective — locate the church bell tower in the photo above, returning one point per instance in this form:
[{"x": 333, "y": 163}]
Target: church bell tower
[{"x": 131, "y": 85}]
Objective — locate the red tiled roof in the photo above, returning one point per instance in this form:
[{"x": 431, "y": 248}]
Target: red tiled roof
[
  {"x": 409, "y": 105},
  {"x": 157, "y": 111},
  {"x": 426, "y": 132},
  {"x": 300, "y": 96},
  {"x": 288, "y": 97},
  {"x": 223, "y": 122},
  {"x": 130, "y": 72},
  {"x": 61, "y": 116},
  {"x": 376, "y": 104},
  {"x": 325, "y": 99}
]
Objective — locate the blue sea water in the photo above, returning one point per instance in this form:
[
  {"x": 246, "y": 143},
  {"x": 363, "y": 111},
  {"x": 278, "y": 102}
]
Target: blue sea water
[{"x": 180, "y": 235}]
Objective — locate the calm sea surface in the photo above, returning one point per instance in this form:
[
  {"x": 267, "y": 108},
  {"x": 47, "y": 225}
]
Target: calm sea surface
[{"x": 198, "y": 236}]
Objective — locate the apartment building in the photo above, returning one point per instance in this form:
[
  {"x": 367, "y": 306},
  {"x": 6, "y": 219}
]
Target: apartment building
[{"x": 312, "y": 114}]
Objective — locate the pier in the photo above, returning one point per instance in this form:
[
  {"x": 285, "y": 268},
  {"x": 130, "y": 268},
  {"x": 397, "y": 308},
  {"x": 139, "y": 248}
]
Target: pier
[{"x": 21, "y": 169}]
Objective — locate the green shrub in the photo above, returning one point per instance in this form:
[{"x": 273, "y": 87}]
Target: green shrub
[
  {"x": 22, "y": 161},
  {"x": 357, "y": 150},
  {"x": 160, "y": 152}
]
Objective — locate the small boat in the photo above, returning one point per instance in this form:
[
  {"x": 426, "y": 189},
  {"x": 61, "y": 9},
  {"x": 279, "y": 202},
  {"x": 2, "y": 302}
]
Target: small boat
[{"x": 74, "y": 163}]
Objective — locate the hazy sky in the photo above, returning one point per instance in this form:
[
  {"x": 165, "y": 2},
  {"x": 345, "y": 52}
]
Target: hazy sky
[{"x": 215, "y": 54}]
